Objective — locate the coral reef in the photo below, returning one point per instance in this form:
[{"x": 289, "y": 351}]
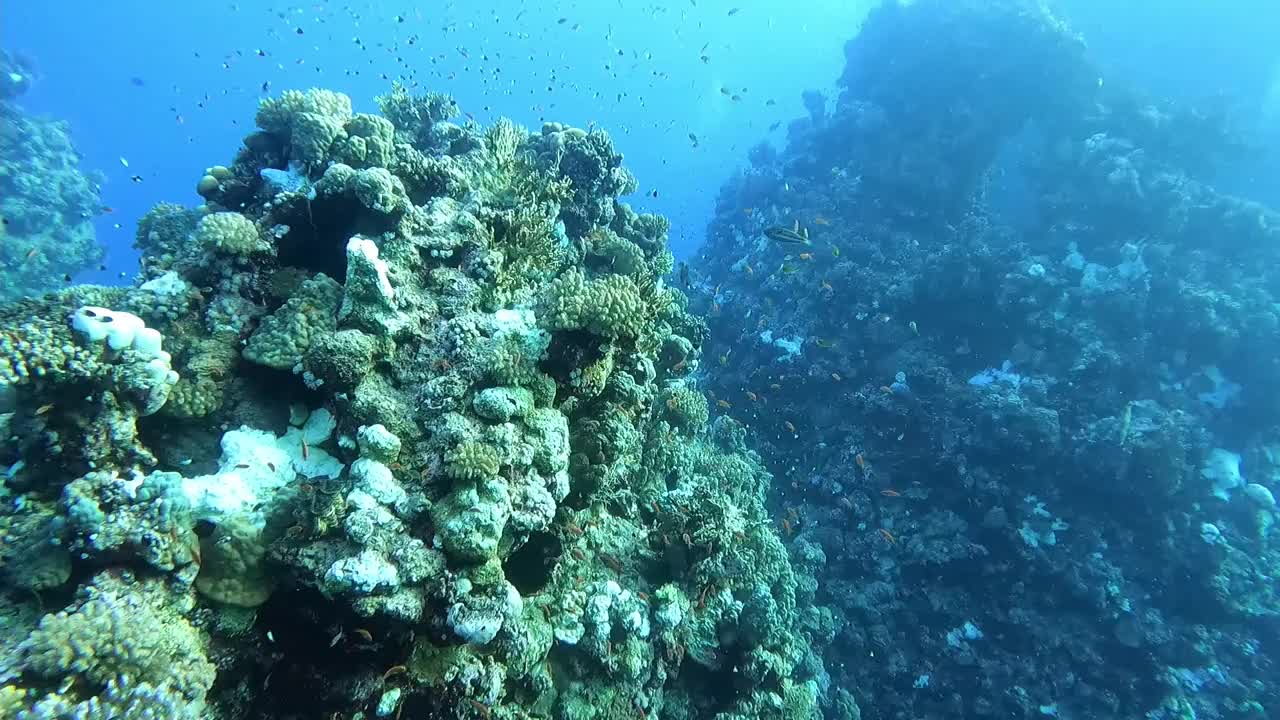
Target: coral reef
[
  {"x": 1017, "y": 419},
  {"x": 423, "y": 440}
]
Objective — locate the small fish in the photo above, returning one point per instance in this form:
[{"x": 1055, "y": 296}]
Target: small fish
[
  {"x": 788, "y": 268},
  {"x": 242, "y": 466},
  {"x": 306, "y": 451},
  {"x": 724, "y": 360},
  {"x": 723, "y": 404},
  {"x": 693, "y": 139},
  {"x": 791, "y": 428},
  {"x": 915, "y": 329},
  {"x": 860, "y": 461},
  {"x": 32, "y": 253},
  {"x": 836, "y": 376},
  {"x": 705, "y": 58},
  {"x": 820, "y": 220},
  {"x": 890, "y": 492},
  {"x": 136, "y": 178},
  {"x": 835, "y": 251},
  {"x": 266, "y": 86},
  {"x": 750, "y": 270},
  {"x": 770, "y": 102},
  {"x": 826, "y": 285},
  {"x": 124, "y": 161},
  {"x": 684, "y": 275},
  {"x": 806, "y": 256},
  {"x": 793, "y": 235},
  {"x": 734, "y": 11},
  {"x": 823, "y": 343},
  {"x": 44, "y": 409},
  {"x": 888, "y": 537},
  {"x": 775, "y": 126}
]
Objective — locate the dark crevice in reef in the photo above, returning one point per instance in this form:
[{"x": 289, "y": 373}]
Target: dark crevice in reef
[{"x": 529, "y": 568}]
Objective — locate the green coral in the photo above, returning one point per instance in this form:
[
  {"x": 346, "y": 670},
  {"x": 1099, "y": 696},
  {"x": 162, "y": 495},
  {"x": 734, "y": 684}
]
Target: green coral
[
  {"x": 33, "y": 551},
  {"x": 233, "y": 568},
  {"x": 375, "y": 188},
  {"x": 308, "y": 122},
  {"x": 341, "y": 359},
  {"x": 284, "y": 337},
  {"x": 164, "y": 231},
  {"x": 40, "y": 348},
  {"x": 231, "y": 234},
  {"x": 685, "y": 408},
  {"x": 472, "y": 461},
  {"x": 121, "y": 647},
  {"x": 414, "y": 116},
  {"x": 370, "y": 142},
  {"x": 148, "y": 517},
  {"x": 611, "y": 307},
  {"x": 471, "y": 519}
]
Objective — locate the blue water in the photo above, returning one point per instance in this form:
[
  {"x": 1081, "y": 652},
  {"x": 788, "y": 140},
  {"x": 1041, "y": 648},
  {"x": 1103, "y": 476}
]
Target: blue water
[{"x": 173, "y": 89}]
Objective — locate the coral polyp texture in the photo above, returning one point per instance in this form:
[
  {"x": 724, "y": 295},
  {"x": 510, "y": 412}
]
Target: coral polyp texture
[
  {"x": 47, "y": 201},
  {"x": 399, "y": 422}
]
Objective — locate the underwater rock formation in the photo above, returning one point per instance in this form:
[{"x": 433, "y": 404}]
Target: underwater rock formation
[
  {"x": 427, "y": 443},
  {"x": 47, "y": 201},
  {"x": 1022, "y": 442}
]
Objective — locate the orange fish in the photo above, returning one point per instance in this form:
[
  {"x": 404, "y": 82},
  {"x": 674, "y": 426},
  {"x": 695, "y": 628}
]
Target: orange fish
[
  {"x": 786, "y": 526},
  {"x": 723, "y": 404}
]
